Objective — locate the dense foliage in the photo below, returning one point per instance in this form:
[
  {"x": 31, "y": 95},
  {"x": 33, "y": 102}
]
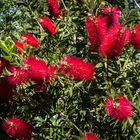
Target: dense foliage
[{"x": 62, "y": 72}]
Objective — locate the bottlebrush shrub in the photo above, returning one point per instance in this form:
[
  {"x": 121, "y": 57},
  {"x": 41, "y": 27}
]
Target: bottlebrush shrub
[
  {"x": 76, "y": 68},
  {"x": 71, "y": 96},
  {"x": 18, "y": 128},
  {"x": 48, "y": 25},
  {"x": 121, "y": 110}
]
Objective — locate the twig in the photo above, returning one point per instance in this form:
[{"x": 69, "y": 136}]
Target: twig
[
  {"x": 66, "y": 117},
  {"x": 137, "y": 4},
  {"x": 64, "y": 5}
]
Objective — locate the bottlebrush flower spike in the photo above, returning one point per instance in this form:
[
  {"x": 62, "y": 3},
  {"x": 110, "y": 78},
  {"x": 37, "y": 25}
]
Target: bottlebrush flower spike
[
  {"x": 76, "y": 67},
  {"x": 90, "y": 136},
  {"x": 135, "y": 37},
  {"x": 19, "y": 46},
  {"x": 52, "y": 71},
  {"x": 29, "y": 39},
  {"x": 92, "y": 32},
  {"x": 114, "y": 42},
  {"x": 101, "y": 28},
  {"x": 37, "y": 67},
  {"x": 47, "y": 24},
  {"x": 18, "y": 128},
  {"x": 53, "y": 7},
  {"x": 120, "y": 110},
  {"x": 112, "y": 16},
  {"x": 6, "y": 93},
  {"x": 17, "y": 75}
]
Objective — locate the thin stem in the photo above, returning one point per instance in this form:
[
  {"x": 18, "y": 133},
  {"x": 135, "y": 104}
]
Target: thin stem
[
  {"x": 107, "y": 75},
  {"x": 64, "y": 5},
  {"x": 137, "y": 4},
  {"x": 66, "y": 117}
]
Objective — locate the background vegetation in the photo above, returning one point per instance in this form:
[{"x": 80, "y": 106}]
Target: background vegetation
[{"x": 68, "y": 108}]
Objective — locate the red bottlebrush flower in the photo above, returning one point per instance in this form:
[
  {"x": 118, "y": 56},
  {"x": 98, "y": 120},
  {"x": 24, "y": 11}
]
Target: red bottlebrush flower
[
  {"x": 3, "y": 63},
  {"x": 19, "y": 47},
  {"x": 29, "y": 39},
  {"x": 53, "y": 7},
  {"x": 101, "y": 28},
  {"x": 92, "y": 32},
  {"x": 17, "y": 75},
  {"x": 52, "y": 71},
  {"x": 37, "y": 67},
  {"x": 90, "y": 136},
  {"x": 18, "y": 128},
  {"x": 120, "y": 110},
  {"x": 77, "y": 68},
  {"x": 135, "y": 37},
  {"x": 112, "y": 16},
  {"x": 114, "y": 42},
  {"x": 47, "y": 24},
  {"x": 6, "y": 93}
]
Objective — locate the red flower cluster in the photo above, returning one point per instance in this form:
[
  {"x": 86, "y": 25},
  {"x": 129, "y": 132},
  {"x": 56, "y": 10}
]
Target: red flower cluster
[
  {"x": 135, "y": 37},
  {"x": 92, "y": 33},
  {"x": 111, "y": 15},
  {"x": 53, "y": 7},
  {"x": 114, "y": 42},
  {"x": 105, "y": 33},
  {"x": 26, "y": 39},
  {"x": 77, "y": 68},
  {"x": 17, "y": 75},
  {"x": 120, "y": 110},
  {"x": 47, "y": 24},
  {"x": 19, "y": 46},
  {"x": 90, "y": 136},
  {"x": 37, "y": 68},
  {"x": 52, "y": 71},
  {"x": 30, "y": 39},
  {"x": 17, "y": 128}
]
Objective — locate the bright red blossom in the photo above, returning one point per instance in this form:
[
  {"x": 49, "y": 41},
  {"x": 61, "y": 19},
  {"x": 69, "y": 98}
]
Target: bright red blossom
[
  {"x": 37, "y": 67},
  {"x": 111, "y": 14},
  {"x": 53, "y": 7},
  {"x": 114, "y": 42},
  {"x": 19, "y": 46},
  {"x": 17, "y": 128},
  {"x": 17, "y": 75},
  {"x": 47, "y": 24},
  {"x": 30, "y": 39},
  {"x": 77, "y": 68},
  {"x": 52, "y": 71},
  {"x": 90, "y": 136},
  {"x": 135, "y": 37},
  {"x": 120, "y": 110},
  {"x": 92, "y": 32}
]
